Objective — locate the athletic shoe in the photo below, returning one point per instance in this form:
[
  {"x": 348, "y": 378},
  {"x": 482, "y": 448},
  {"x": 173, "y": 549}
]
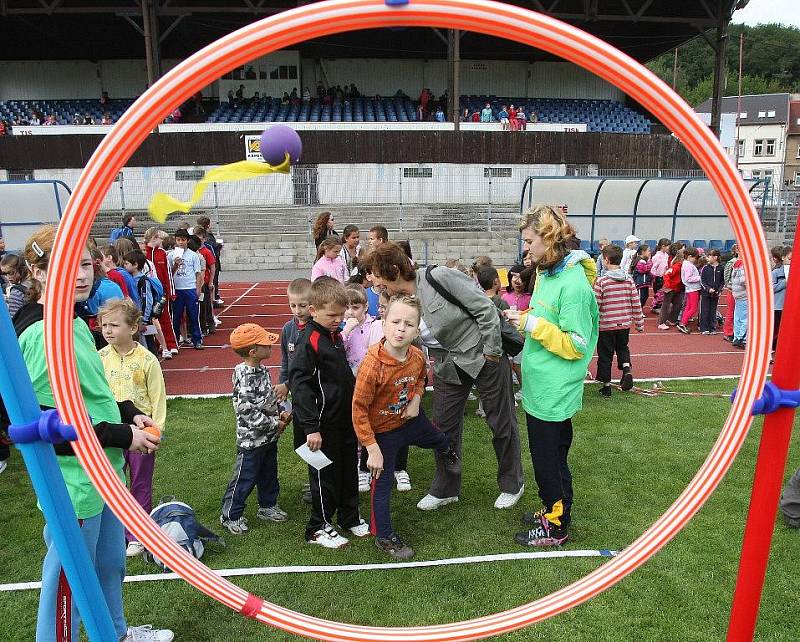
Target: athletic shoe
[
  {"x": 728, "y": 338},
  {"x": 327, "y": 537},
  {"x": 739, "y": 343},
  {"x": 706, "y": 332},
  {"x": 626, "y": 382},
  {"x": 403, "y": 480},
  {"x": 605, "y": 391},
  {"x": 395, "y": 547},
  {"x": 185, "y": 342},
  {"x": 683, "y": 328},
  {"x": 518, "y": 395},
  {"x": 198, "y": 346},
  {"x": 166, "y": 354},
  {"x": 174, "y": 351},
  {"x": 535, "y": 517},
  {"x": 3, "y": 465},
  {"x": 545, "y": 534},
  {"x": 663, "y": 326},
  {"x": 235, "y": 526},
  {"x": 272, "y": 514},
  {"x": 360, "y": 530},
  {"x": 507, "y": 500},
  {"x": 217, "y": 321},
  {"x": 479, "y": 412},
  {"x": 134, "y": 549},
  {"x": 671, "y": 323},
  {"x": 306, "y": 493},
  {"x": 429, "y": 502},
  {"x": 364, "y": 479},
  {"x": 219, "y": 302},
  {"x": 147, "y": 633}
]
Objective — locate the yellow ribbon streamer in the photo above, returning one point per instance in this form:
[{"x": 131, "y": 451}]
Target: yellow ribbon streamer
[{"x": 162, "y": 205}]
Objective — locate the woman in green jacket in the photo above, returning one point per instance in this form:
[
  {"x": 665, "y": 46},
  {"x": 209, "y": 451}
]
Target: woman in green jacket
[{"x": 561, "y": 329}]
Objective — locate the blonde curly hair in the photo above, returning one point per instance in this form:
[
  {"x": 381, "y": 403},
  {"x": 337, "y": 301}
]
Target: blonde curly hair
[{"x": 550, "y": 223}]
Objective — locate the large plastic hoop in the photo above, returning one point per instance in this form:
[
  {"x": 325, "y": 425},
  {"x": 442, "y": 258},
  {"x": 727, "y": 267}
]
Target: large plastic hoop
[{"x": 325, "y": 18}]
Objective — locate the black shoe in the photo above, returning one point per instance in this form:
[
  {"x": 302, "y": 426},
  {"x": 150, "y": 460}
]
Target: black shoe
[
  {"x": 545, "y": 534},
  {"x": 450, "y": 456},
  {"x": 395, "y": 547},
  {"x": 727, "y": 338},
  {"x": 683, "y": 328},
  {"x": 626, "y": 383},
  {"x": 739, "y": 344},
  {"x": 605, "y": 391}
]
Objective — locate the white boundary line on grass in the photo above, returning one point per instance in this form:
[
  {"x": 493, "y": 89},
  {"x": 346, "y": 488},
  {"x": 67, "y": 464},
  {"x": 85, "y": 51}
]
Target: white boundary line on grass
[{"x": 277, "y": 570}]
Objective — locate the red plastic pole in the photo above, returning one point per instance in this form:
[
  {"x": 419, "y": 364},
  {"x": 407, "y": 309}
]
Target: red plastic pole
[{"x": 768, "y": 477}]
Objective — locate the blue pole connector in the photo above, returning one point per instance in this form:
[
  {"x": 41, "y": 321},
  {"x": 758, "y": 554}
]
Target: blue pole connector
[
  {"x": 48, "y": 427},
  {"x": 395, "y": 3},
  {"x": 772, "y": 399}
]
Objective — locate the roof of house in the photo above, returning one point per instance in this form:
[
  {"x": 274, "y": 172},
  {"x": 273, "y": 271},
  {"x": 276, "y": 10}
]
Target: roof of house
[
  {"x": 794, "y": 117},
  {"x": 761, "y": 109}
]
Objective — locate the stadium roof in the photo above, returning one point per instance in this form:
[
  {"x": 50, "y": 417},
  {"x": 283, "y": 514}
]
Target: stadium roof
[{"x": 108, "y": 29}]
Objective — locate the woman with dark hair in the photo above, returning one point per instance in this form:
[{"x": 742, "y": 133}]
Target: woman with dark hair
[
  {"x": 466, "y": 347},
  {"x": 323, "y": 228},
  {"x": 561, "y": 329}
]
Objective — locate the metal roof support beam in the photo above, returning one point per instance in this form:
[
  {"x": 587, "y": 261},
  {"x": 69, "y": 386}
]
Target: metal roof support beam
[
  {"x": 720, "y": 66},
  {"x": 134, "y": 24},
  {"x": 169, "y": 29}
]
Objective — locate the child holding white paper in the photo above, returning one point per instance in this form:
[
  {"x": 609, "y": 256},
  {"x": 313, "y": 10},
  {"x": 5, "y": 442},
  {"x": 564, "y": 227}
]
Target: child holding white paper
[{"x": 259, "y": 424}]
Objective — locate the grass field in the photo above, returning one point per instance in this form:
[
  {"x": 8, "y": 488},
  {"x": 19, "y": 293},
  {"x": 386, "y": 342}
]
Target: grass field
[{"x": 631, "y": 457}]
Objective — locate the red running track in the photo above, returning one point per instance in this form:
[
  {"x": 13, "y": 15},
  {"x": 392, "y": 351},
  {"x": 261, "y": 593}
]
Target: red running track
[{"x": 655, "y": 354}]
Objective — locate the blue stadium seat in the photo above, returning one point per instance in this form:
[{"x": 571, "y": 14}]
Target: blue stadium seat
[
  {"x": 619, "y": 243},
  {"x": 729, "y": 244},
  {"x": 651, "y": 243},
  {"x": 699, "y": 243},
  {"x": 716, "y": 244},
  {"x": 586, "y": 246}
]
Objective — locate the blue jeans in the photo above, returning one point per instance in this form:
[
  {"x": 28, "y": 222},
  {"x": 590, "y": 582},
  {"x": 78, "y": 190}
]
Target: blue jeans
[
  {"x": 740, "y": 320},
  {"x": 253, "y": 468},
  {"x": 187, "y": 300},
  {"x": 105, "y": 541}
]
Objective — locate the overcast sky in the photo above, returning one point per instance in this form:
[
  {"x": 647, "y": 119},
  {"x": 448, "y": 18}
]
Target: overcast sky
[{"x": 764, "y": 11}]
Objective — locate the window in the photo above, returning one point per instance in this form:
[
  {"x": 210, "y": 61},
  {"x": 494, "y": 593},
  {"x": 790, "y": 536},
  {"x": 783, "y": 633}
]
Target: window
[
  {"x": 417, "y": 172},
  {"x": 756, "y": 174},
  {"x": 758, "y": 147},
  {"x": 740, "y": 147},
  {"x": 770, "y": 147},
  {"x": 771, "y": 113},
  {"x": 762, "y": 114},
  {"x": 768, "y": 175},
  {"x": 743, "y": 114},
  {"x": 497, "y": 172},
  {"x": 20, "y": 174},
  {"x": 797, "y": 179},
  {"x": 798, "y": 151},
  {"x": 283, "y": 72},
  {"x": 189, "y": 174}
]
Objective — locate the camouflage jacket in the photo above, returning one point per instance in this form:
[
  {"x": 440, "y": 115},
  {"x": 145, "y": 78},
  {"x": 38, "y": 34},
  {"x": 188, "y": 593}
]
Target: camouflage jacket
[{"x": 256, "y": 407}]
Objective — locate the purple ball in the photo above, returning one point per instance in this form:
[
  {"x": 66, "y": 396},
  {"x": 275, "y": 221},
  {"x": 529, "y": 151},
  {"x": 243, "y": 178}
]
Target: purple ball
[{"x": 279, "y": 140}]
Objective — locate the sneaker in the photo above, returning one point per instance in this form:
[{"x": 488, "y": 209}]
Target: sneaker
[
  {"x": 663, "y": 326},
  {"x": 219, "y": 302},
  {"x": 728, "y": 338},
  {"x": 174, "y": 351},
  {"x": 3, "y": 465},
  {"x": 545, "y": 534},
  {"x": 626, "y": 382},
  {"x": 306, "y": 494},
  {"x": 235, "y": 526},
  {"x": 706, "y": 332},
  {"x": 395, "y": 547},
  {"x": 217, "y": 321},
  {"x": 166, "y": 354},
  {"x": 147, "y": 633},
  {"x": 683, "y": 328},
  {"x": 134, "y": 549},
  {"x": 479, "y": 412},
  {"x": 518, "y": 395},
  {"x": 507, "y": 500},
  {"x": 429, "y": 502},
  {"x": 739, "y": 343},
  {"x": 327, "y": 537},
  {"x": 360, "y": 530},
  {"x": 185, "y": 341},
  {"x": 272, "y": 514},
  {"x": 364, "y": 479},
  {"x": 198, "y": 346},
  {"x": 403, "y": 480},
  {"x": 605, "y": 391}
]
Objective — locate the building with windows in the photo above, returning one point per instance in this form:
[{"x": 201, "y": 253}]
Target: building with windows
[
  {"x": 762, "y": 125},
  {"x": 792, "y": 162}
]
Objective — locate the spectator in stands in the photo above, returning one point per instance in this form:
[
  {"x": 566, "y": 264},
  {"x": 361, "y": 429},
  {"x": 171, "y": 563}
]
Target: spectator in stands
[
  {"x": 320, "y": 90},
  {"x": 231, "y": 98},
  {"x": 126, "y": 231},
  {"x": 77, "y": 120},
  {"x": 87, "y": 119},
  {"x": 240, "y": 95},
  {"x": 424, "y": 98},
  {"x": 486, "y": 114},
  {"x": 285, "y": 98},
  {"x": 323, "y": 228},
  {"x": 107, "y": 120},
  {"x": 35, "y": 119},
  {"x": 440, "y": 118},
  {"x": 306, "y": 95},
  {"x": 512, "y": 118},
  {"x": 502, "y": 116},
  {"x": 522, "y": 119},
  {"x": 197, "y": 102},
  {"x": 420, "y": 113},
  {"x": 466, "y": 116},
  {"x": 51, "y": 120},
  {"x": 532, "y": 117},
  {"x": 4, "y": 128},
  {"x": 175, "y": 116}
]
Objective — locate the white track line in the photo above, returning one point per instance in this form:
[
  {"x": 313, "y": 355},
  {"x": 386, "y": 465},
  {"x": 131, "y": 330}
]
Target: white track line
[
  {"x": 239, "y": 298},
  {"x": 277, "y": 570}
]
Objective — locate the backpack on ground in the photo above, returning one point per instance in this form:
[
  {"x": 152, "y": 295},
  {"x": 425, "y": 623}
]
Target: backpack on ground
[{"x": 179, "y": 522}]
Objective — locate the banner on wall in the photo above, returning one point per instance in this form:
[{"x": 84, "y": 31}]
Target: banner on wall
[{"x": 252, "y": 148}]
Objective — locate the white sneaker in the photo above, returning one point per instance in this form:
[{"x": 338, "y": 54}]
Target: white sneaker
[
  {"x": 3, "y": 465},
  {"x": 235, "y": 526},
  {"x": 147, "y": 633},
  {"x": 328, "y": 538},
  {"x": 174, "y": 351},
  {"x": 518, "y": 395},
  {"x": 217, "y": 321},
  {"x": 403, "y": 480},
  {"x": 479, "y": 412},
  {"x": 134, "y": 549},
  {"x": 507, "y": 500},
  {"x": 364, "y": 479},
  {"x": 166, "y": 354},
  {"x": 361, "y": 529},
  {"x": 429, "y": 502}
]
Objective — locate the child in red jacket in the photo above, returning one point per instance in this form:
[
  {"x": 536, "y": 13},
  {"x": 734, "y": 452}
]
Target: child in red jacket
[{"x": 673, "y": 289}]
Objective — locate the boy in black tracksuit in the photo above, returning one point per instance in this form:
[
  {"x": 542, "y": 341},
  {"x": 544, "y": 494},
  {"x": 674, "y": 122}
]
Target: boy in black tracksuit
[
  {"x": 322, "y": 386},
  {"x": 711, "y": 279}
]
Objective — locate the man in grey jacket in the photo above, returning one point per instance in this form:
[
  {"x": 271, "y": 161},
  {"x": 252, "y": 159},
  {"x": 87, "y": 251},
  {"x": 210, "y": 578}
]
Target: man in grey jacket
[{"x": 466, "y": 347}]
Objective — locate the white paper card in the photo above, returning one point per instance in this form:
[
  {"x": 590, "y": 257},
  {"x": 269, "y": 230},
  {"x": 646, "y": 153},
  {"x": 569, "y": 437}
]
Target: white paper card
[
  {"x": 315, "y": 458},
  {"x": 177, "y": 252}
]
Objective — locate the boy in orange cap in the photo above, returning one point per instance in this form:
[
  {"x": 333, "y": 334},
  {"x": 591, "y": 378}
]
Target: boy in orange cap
[{"x": 259, "y": 423}]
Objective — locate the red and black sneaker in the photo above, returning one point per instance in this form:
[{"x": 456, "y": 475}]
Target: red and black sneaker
[{"x": 545, "y": 534}]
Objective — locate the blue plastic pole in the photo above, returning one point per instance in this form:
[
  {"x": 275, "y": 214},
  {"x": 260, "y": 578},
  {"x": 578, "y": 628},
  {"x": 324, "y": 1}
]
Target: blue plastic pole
[{"x": 23, "y": 409}]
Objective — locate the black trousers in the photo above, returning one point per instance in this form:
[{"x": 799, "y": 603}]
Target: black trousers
[
  {"x": 334, "y": 489},
  {"x": 549, "y": 442},
  {"x": 644, "y": 294},
  {"x": 776, "y": 327},
  {"x": 708, "y": 312},
  {"x": 608, "y": 343}
]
